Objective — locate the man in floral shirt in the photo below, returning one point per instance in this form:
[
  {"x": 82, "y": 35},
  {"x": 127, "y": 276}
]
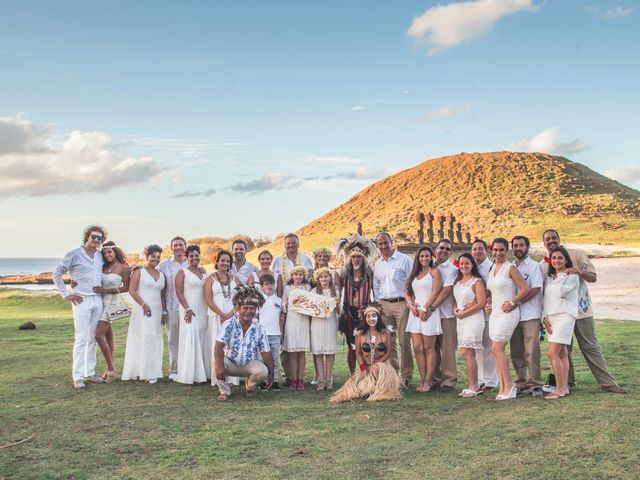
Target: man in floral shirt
[{"x": 242, "y": 346}]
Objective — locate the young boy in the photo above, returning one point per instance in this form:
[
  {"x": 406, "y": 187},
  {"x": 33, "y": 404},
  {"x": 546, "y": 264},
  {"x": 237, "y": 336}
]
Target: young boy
[{"x": 269, "y": 317}]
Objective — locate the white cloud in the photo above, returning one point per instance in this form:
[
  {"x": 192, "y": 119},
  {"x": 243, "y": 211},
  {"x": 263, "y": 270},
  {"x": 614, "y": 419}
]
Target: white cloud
[
  {"x": 547, "y": 142},
  {"x": 190, "y": 193},
  {"x": 626, "y": 175},
  {"x": 610, "y": 13},
  {"x": 445, "y": 26},
  {"x": 271, "y": 181},
  {"x": 31, "y": 164},
  {"x": 442, "y": 112},
  {"x": 357, "y": 108}
]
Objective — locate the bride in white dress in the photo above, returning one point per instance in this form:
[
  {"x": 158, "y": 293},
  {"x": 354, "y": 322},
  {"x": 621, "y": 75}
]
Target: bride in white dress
[
  {"x": 218, "y": 294},
  {"x": 194, "y": 352},
  {"x": 508, "y": 289},
  {"x": 144, "y": 349}
]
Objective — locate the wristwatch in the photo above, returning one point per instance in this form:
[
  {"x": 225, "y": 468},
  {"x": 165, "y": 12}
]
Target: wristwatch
[{"x": 431, "y": 308}]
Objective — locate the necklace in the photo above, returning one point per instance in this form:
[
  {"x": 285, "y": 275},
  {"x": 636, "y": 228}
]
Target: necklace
[
  {"x": 283, "y": 265},
  {"x": 225, "y": 293},
  {"x": 371, "y": 340}
]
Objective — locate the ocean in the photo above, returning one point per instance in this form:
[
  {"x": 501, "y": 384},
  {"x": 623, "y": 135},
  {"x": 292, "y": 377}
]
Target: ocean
[{"x": 27, "y": 266}]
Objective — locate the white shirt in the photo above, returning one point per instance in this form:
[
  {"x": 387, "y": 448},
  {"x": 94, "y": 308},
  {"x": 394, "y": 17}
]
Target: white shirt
[
  {"x": 244, "y": 272},
  {"x": 170, "y": 267},
  {"x": 276, "y": 266},
  {"x": 532, "y": 273},
  {"x": 484, "y": 268},
  {"x": 84, "y": 270},
  {"x": 449, "y": 274},
  {"x": 390, "y": 276},
  {"x": 269, "y": 315}
]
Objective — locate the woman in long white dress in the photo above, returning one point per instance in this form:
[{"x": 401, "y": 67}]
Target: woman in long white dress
[
  {"x": 560, "y": 313},
  {"x": 423, "y": 287},
  {"x": 194, "y": 347},
  {"x": 324, "y": 331},
  {"x": 470, "y": 297},
  {"x": 144, "y": 349},
  {"x": 265, "y": 259},
  {"x": 508, "y": 289},
  {"x": 219, "y": 288}
]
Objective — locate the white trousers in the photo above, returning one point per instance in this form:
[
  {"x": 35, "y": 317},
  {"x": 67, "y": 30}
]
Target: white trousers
[
  {"x": 255, "y": 372},
  {"x": 487, "y": 372},
  {"x": 173, "y": 336},
  {"x": 86, "y": 316}
]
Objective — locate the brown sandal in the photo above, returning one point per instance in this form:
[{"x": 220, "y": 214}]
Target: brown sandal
[{"x": 111, "y": 376}]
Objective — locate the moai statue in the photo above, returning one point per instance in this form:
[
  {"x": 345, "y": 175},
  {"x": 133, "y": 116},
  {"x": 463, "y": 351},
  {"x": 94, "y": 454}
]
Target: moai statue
[
  {"x": 451, "y": 232},
  {"x": 459, "y": 232},
  {"x": 420, "y": 220},
  {"x": 441, "y": 220},
  {"x": 430, "y": 232},
  {"x": 359, "y": 228},
  {"x": 468, "y": 234}
]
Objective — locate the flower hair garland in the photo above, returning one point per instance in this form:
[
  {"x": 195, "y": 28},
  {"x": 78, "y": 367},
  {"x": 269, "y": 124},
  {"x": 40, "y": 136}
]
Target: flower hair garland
[{"x": 321, "y": 271}]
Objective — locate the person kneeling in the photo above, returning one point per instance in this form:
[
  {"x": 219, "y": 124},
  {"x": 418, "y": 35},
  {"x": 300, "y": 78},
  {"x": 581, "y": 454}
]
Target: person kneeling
[{"x": 241, "y": 342}]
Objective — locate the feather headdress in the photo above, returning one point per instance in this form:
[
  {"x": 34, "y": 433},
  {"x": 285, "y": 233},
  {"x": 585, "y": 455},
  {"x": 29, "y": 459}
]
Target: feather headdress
[
  {"x": 247, "y": 296},
  {"x": 356, "y": 244}
]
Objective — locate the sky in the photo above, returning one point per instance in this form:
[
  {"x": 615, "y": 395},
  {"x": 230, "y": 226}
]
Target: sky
[{"x": 195, "y": 118}]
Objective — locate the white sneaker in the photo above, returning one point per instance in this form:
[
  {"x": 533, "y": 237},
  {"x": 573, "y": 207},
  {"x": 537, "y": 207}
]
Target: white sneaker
[
  {"x": 173, "y": 376},
  {"x": 78, "y": 384}
]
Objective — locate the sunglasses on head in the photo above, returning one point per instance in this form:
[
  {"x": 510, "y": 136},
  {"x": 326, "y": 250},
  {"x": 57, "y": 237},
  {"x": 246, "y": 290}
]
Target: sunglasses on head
[{"x": 96, "y": 237}]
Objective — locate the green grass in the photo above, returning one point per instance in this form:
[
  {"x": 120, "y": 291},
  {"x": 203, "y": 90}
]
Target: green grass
[{"x": 136, "y": 430}]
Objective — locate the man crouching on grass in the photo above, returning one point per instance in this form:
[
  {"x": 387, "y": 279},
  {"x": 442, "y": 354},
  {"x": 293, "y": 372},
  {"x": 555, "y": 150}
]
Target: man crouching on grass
[{"x": 240, "y": 344}]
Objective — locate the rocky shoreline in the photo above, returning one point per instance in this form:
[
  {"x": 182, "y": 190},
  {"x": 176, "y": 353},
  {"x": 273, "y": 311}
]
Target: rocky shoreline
[{"x": 37, "y": 279}]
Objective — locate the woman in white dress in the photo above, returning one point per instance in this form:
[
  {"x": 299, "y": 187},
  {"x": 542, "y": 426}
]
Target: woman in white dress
[
  {"x": 507, "y": 289},
  {"x": 423, "y": 287},
  {"x": 143, "y": 353},
  {"x": 470, "y": 297},
  {"x": 296, "y": 328},
  {"x": 560, "y": 313},
  {"x": 324, "y": 331},
  {"x": 194, "y": 347},
  {"x": 219, "y": 288},
  {"x": 115, "y": 280},
  {"x": 265, "y": 259}
]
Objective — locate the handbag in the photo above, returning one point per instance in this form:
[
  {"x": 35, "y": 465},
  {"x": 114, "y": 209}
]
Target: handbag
[{"x": 119, "y": 310}]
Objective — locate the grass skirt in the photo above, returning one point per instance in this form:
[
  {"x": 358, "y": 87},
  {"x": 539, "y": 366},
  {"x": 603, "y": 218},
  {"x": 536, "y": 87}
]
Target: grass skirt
[{"x": 380, "y": 382}]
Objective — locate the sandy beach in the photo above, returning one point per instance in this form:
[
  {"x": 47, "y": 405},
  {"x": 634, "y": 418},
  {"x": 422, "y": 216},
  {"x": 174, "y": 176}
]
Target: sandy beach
[{"x": 616, "y": 294}]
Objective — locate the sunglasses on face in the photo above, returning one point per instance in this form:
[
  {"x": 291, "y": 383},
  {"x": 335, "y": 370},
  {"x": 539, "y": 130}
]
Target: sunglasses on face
[
  {"x": 447, "y": 249},
  {"x": 96, "y": 237}
]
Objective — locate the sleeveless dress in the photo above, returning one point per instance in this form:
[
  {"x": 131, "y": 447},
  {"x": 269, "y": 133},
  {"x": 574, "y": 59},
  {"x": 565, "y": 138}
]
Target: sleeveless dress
[
  {"x": 143, "y": 352},
  {"x": 561, "y": 306},
  {"x": 471, "y": 328},
  {"x": 226, "y": 305},
  {"x": 194, "y": 349},
  {"x": 503, "y": 289},
  {"x": 324, "y": 332},
  {"x": 422, "y": 290},
  {"x": 110, "y": 280},
  {"x": 296, "y": 327}
]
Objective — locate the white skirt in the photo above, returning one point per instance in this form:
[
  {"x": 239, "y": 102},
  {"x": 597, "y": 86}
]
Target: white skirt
[
  {"x": 502, "y": 325},
  {"x": 562, "y": 325},
  {"x": 470, "y": 331},
  {"x": 430, "y": 328}
]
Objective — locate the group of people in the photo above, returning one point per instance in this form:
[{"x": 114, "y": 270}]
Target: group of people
[{"x": 248, "y": 322}]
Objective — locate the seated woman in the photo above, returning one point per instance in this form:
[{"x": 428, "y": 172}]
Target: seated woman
[{"x": 376, "y": 380}]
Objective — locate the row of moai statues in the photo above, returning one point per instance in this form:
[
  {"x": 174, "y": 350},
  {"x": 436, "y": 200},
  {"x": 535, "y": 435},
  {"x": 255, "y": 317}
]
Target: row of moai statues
[{"x": 453, "y": 233}]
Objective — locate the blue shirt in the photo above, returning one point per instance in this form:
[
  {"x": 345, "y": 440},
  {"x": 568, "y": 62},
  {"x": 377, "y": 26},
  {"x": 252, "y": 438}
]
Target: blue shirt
[{"x": 242, "y": 348}]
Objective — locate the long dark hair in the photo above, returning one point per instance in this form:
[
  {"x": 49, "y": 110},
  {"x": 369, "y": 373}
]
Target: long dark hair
[
  {"x": 362, "y": 326},
  {"x": 417, "y": 268},
  {"x": 563, "y": 251},
  {"x": 347, "y": 271},
  {"x": 120, "y": 255},
  {"x": 220, "y": 254},
  {"x": 474, "y": 267}
]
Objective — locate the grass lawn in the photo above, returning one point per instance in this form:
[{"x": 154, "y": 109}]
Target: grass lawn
[{"x": 136, "y": 430}]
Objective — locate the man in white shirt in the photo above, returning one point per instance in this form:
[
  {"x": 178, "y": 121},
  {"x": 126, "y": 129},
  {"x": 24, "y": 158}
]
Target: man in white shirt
[
  {"x": 390, "y": 276},
  {"x": 241, "y": 268},
  {"x": 84, "y": 265},
  {"x": 170, "y": 267},
  {"x": 446, "y": 372},
  {"x": 487, "y": 372},
  {"x": 525, "y": 341},
  {"x": 281, "y": 266},
  {"x": 585, "y": 327}
]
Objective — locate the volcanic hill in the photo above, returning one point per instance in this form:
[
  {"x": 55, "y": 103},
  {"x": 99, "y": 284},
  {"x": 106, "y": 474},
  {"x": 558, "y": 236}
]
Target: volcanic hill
[{"x": 499, "y": 193}]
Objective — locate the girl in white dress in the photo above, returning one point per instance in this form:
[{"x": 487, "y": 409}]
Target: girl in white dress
[
  {"x": 265, "y": 259},
  {"x": 560, "y": 313},
  {"x": 219, "y": 288},
  {"x": 470, "y": 298},
  {"x": 296, "y": 339},
  {"x": 508, "y": 289},
  {"x": 423, "y": 287},
  {"x": 324, "y": 331},
  {"x": 115, "y": 280},
  {"x": 194, "y": 348},
  {"x": 143, "y": 352}
]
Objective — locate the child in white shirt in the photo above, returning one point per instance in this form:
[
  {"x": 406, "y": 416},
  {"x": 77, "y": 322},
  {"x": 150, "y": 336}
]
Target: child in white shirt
[{"x": 269, "y": 318}]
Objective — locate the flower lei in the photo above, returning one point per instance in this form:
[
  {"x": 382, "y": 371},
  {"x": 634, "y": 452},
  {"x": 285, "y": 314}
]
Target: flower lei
[{"x": 283, "y": 265}]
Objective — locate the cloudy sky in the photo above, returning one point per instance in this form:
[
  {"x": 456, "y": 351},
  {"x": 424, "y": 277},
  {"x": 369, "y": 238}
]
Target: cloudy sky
[{"x": 214, "y": 118}]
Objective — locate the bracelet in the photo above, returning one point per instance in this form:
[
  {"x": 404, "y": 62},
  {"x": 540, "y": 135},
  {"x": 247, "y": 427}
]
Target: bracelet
[
  {"x": 188, "y": 310},
  {"x": 363, "y": 367},
  {"x": 512, "y": 304},
  {"x": 430, "y": 307}
]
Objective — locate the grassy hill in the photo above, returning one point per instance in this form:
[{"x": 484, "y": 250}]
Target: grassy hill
[{"x": 498, "y": 193}]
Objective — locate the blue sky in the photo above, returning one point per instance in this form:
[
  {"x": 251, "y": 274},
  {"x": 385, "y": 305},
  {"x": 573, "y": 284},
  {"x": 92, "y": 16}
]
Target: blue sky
[{"x": 214, "y": 118}]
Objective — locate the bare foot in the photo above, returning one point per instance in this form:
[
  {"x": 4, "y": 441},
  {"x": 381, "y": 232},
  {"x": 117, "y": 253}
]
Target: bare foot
[{"x": 223, "y": 398}]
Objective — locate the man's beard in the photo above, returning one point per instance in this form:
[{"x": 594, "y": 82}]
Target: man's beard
[{"x": 520, "y": 255}]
